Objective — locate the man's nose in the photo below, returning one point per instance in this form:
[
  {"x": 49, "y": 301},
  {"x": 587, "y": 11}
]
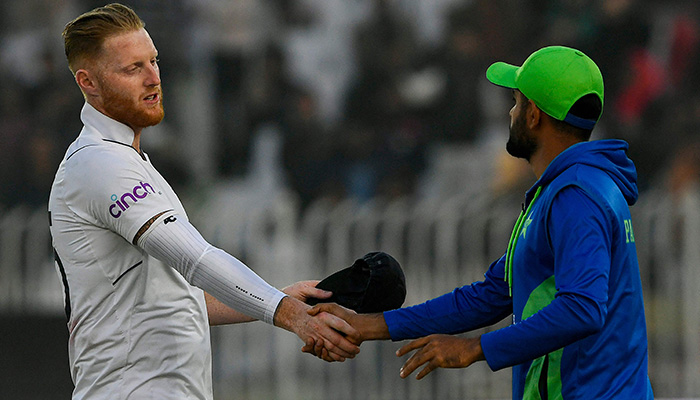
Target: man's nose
[{"x": 153, "y": 76}]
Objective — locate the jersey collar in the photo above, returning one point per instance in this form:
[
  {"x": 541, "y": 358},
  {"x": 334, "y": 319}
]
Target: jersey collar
[{"x": 105, "y": 126}]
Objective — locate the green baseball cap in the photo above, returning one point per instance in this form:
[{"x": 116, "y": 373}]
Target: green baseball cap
[{"x": 554, "y": 77}]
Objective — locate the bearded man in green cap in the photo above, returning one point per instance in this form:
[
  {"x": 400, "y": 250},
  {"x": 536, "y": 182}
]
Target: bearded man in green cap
[{"x": 569, "y": 276}]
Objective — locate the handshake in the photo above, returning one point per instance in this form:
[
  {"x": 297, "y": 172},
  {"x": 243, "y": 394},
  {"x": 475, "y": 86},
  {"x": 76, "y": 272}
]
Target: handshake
[
  {"x": 334, "y": 329},
  {"x": 372, "y": 284}
]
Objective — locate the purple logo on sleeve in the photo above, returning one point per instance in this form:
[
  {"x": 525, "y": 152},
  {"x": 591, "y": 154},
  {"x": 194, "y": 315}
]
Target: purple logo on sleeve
[{"x": 123, "y": 202}]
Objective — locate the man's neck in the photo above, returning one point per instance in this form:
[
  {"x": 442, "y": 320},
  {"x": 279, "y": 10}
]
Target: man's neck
[
  {"x": 136, "y": 144},
  {"x": 548, "y": 151}
]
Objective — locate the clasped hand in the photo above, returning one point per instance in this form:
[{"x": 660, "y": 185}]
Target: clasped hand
[
  {"x": 333, "y": 337},
  {"x": 434, "y": 351}
]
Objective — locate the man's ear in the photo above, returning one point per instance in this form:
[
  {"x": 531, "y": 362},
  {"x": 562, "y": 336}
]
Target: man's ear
[
  {"x": 87, "y": 82},
  {"x": 533, "y": 115}
]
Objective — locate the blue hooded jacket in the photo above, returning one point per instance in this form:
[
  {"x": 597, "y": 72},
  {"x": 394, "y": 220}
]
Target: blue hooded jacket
[{"x": 578, "y": 329}]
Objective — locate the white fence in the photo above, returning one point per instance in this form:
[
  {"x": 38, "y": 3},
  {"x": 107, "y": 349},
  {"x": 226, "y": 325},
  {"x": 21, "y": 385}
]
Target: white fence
[{"x": 440, "y": 245}]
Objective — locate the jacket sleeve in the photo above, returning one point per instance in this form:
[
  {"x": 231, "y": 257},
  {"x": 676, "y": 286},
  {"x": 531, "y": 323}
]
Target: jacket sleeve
[
  {"x": 580, "y": 236},
  {"x": 465, "y": 308}
]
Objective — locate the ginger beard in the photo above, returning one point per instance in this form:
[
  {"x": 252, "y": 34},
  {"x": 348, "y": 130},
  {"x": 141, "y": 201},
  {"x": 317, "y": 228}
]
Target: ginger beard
[{"x": 134, "y": 113}]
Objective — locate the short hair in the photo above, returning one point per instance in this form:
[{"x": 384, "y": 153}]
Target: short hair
[{"x": 84, "y": 36}]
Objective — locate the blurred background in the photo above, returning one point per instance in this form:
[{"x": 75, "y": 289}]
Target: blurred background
[{"x": 302, "y": 134}]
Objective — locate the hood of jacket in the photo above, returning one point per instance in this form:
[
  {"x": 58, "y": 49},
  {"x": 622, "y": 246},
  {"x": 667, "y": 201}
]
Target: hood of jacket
[{"x": 609, "y": 155}]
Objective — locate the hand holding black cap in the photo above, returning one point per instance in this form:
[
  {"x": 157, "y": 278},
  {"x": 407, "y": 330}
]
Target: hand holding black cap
[{"x": 374, "y": 283}]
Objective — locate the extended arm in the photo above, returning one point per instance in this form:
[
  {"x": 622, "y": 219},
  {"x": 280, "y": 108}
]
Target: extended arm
[
  {"x": 578, "y": 309},
  {"x": 231, "y": 282},
  {"x": 218, "y": 273},
  {"x": 466, "y": 308},
  {"x": 578, "y": 234},
  {"x": 221, "y": 314}
]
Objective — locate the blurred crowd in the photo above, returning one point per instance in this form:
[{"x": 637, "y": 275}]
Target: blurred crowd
[{"x": 364, "y": 98}]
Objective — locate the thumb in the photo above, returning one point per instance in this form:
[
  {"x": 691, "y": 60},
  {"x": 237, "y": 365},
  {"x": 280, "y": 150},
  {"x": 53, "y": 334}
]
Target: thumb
[
  {"x": 318, "y": 293},
  {"x": 313, "y": 310},
  {"x": 309, "y": 289}
]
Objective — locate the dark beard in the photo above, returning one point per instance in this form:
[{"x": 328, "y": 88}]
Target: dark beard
[{"x": 520, "y": 143}]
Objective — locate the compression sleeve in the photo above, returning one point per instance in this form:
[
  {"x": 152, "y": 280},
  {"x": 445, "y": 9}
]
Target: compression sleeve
[{"x": 180, "y": 245}]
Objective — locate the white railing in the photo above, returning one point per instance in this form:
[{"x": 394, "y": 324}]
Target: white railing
[
  {"x": 28, "y": 279},
  {"x": 440, "y": 244}
]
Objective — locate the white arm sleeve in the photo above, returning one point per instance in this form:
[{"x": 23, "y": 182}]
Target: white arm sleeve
[{"x": 176, "y": 242}]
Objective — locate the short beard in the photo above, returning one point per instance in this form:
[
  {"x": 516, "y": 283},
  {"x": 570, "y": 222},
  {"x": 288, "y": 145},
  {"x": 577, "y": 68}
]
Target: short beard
[
  {"x": 521, "y": 144},
  {"x": 122, "y": 109}
]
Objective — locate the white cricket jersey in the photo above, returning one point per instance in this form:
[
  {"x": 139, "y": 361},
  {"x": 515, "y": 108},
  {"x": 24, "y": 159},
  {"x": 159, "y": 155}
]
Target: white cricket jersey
[{"x": 138, "y": 329}]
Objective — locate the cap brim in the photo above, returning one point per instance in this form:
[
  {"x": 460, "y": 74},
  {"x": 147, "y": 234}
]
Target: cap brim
[{"x": 502, "y": 74}]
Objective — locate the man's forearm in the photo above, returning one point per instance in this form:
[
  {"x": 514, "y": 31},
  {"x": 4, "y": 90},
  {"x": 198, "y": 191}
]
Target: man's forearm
[
  {"x": 368, "y": 326},
  {"x": 221, "y": 314},
  {"x": 181, "y": 246},
  {"x": 371, "y": 326}
]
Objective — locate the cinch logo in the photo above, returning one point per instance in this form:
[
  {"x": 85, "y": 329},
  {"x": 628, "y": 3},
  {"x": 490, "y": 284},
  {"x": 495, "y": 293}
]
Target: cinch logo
[{"x": 121, "y": 203}]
